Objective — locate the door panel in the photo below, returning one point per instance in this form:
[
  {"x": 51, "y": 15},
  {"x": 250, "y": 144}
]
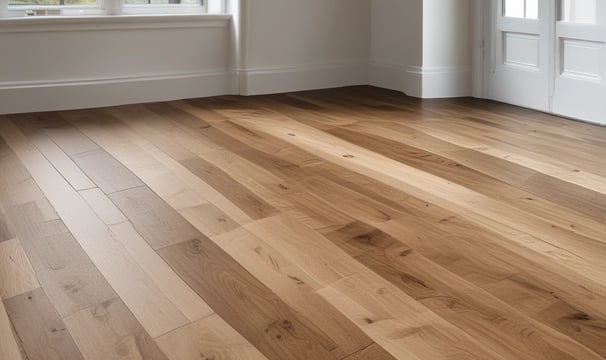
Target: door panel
[
  {"x": 580, "y": 76},
  {"x": 521, "y": 62}
]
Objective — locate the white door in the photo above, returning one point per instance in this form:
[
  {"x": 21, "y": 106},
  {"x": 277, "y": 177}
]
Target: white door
[
  {"x": 520, "y": 69},
  {"x": 580, "y": 76}
]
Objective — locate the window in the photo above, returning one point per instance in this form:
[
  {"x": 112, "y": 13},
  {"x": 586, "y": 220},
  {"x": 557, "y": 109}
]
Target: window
[
  {"x": 583, "y": 11},
  {"x": 525, "y": 9},
  {"x": 51, "y": 2},
  {"x": 162, "y": 2},
  {"x": 21, "y": 8}
]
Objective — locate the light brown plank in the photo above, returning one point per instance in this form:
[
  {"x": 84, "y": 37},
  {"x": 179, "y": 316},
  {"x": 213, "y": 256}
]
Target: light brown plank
[
  {"x": 150, "y": 306},
  {"x": 107, "y": 173},
  {"x": 70, "y": 279},
  {"x": 9, "y": 348},
  {"x": 110, "y": 331},
  {"x": 6, "y": 232},
  {"x": 207, "y": 338},
  {"x": 159, "y": 224},
  {"x": 42, "y": 333},
  {"x": 16, "y": 273},
  {"x": 247, "y": 305}
]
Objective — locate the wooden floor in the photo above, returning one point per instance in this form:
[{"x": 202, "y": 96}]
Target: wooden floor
[{"x": 353, "y": 224}]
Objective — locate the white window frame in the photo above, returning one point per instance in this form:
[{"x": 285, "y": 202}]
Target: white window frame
[{"x": 111, "y": 7}]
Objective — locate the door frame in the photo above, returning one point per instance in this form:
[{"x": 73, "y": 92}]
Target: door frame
[{"x": 484, "y": 54}]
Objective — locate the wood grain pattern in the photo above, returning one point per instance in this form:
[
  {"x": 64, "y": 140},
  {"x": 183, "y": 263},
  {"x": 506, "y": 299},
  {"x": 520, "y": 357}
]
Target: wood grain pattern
[
  {"x": 159, "y": 224},
  {"x": 110, "y": 331},
  {"x": 295, "y": 287},
  {"x": 235, "y": 295},
  {"x": 42, "y": 333},
  {"x": 9, "y": 348},
  {"x": 70, "y": 279},
  {"x": 352, "y": 223},
  {"x": 6, "y": 232},
  {"x": 139, "y": 292},
  {"x": 209, "y": 338},
  {"x": 16, "y": 273},
  {"x": 107, "y": 173}
]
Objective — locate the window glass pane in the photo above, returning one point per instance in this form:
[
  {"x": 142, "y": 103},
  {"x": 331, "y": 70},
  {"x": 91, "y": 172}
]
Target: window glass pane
[
  {"x": 532, "y": 9},
  {"x": 52, "y": 2},
  {"x": 514, "y": 8},
  {"x": 525, "y": 9},
  {"x": 578, "y": 11}
]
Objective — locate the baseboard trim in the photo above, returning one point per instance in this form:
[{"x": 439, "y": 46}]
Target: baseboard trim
[
  {"x": 395, "y": 77},
  {"x": 422, "y": 81},
  {"x": 23, "y": 97},
  {"x": 443, "y": 82},
  {"x": 272, "y": 80}
]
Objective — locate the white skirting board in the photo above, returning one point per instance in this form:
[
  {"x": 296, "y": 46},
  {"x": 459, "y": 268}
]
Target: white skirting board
[
  {"x": 271, "y": 80},
  {"x": 422, "y": 82},
  {"x": 91, "y": 93}
]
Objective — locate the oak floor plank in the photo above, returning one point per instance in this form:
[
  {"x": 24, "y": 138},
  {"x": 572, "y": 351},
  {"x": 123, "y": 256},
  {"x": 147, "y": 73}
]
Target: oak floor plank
[
  {"x": 6, "y": 233},
  {"x": 110, "y": 331},
  {"x": 150, "y": 306},
  {"x": 9, "y": 348},
  {"x": 245, "y": 303},
  {"x": 209, "y": 338},
  {"x": 42, "y": 333},
  {"x": 16, "y": 273},
  {"x": 17, "y": 186},
  {"x": 388, "y": 310},
  {"x": 70, "y": 279},
  {"x": 107, "y": 173},
  {"x": 102, "y": 206},
  {"x": 62, "y": 162},
  {"x": 349, "y": 340},
  {"x": 158, "y": 223},
  {"x": 253, "y": 205},
  {"x": 472, "y": 205},
  {"x": 145, "y": 152},
  {"x": 378, "y": 225},
  {"x": 295, "y": 287},
  {"x": 371, "y": 352},
  {"x": 70, "y": 141},
  {"x": 184, "y": 298},
  {"x": 450, "y": 296},
  {"x": 208, "y": 219},
  {"x": 301, "y": 340}
]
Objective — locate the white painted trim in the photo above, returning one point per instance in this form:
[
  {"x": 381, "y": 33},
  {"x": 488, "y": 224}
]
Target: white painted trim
[
  {"x": 269, "y": 80},
  {"x": 422, "y": 82},
  {"x": 90, "y": 93},
  {"x": 443, "y": 81},
  {"x": 481, "y": 48},
  {"x": 112, "y": 22}
]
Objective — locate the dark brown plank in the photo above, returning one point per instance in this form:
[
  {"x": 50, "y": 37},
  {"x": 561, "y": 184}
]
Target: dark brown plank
[
  {"x": 64, "y": 270},
  {"x": 157, "y": 222},
  {"x": 247, "y": 305},
  {"x": 42, "y": 333}
]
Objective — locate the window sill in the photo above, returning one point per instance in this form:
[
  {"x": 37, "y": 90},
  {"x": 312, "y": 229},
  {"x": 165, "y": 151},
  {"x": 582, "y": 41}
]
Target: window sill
[{"x": 111, "y": 22}]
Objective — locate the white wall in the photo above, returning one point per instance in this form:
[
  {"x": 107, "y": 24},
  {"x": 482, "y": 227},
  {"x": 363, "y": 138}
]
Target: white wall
[
  {"x": 297, "y": 45},
  {"x": 53, "y": 64},
  {"x": 419, "y": 47},
  {"x": 396, "y": 44},
  {"x": 447, "y": 48},
  {"x": 422, "y": 47}
]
